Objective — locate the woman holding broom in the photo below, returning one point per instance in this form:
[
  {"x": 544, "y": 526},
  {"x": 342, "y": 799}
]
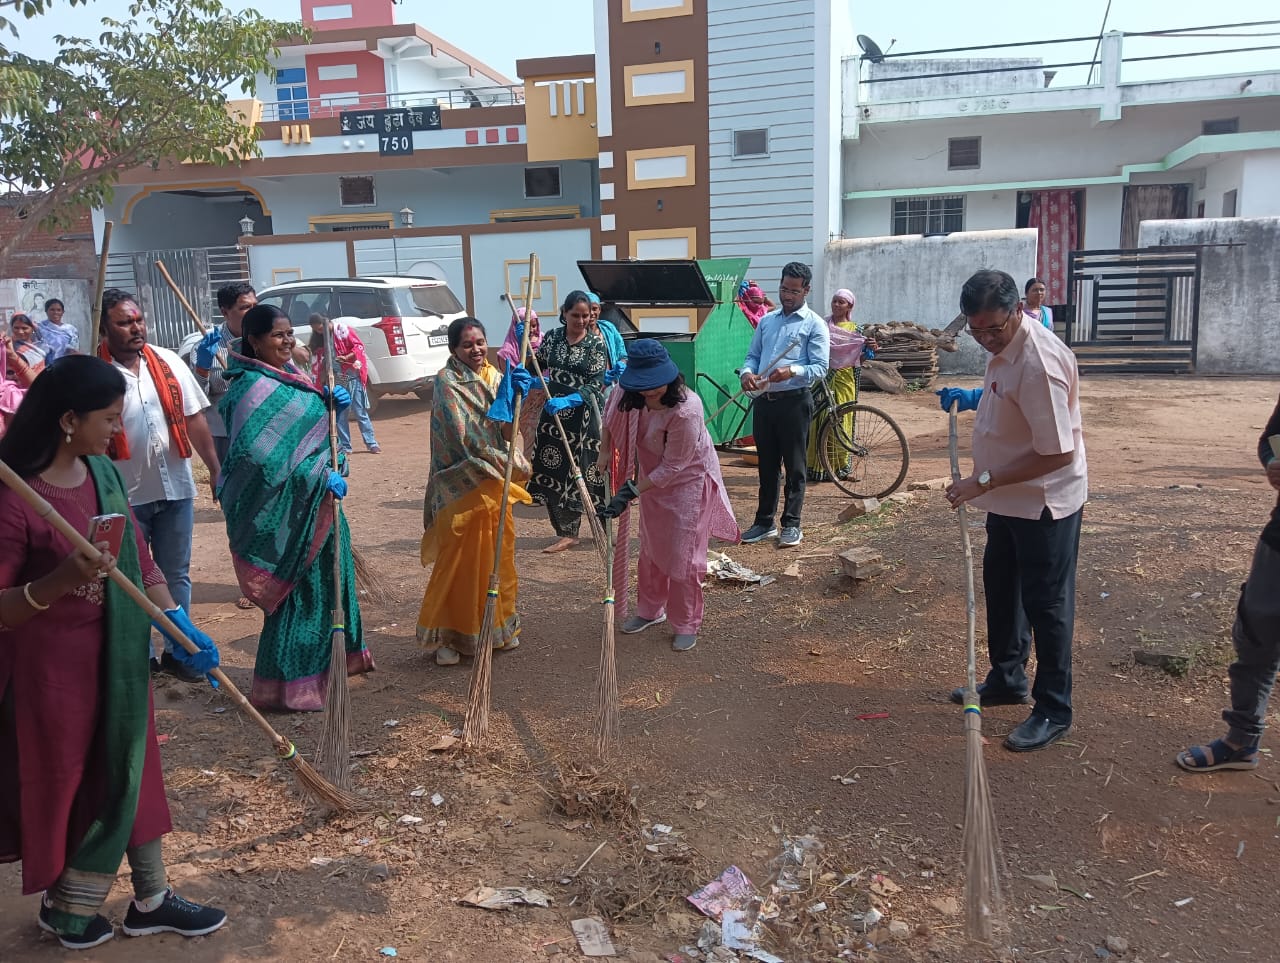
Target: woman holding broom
[
  {"x": 656, "y": 421},
  {"x": 80, "y": 779},
  {"x": 574, "y": 359},
  {"x": 277, "y": 479},
  {"x": 460, "y": 514}
]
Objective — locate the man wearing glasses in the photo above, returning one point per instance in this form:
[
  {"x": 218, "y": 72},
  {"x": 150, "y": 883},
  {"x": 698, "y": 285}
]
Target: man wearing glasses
[
  {"x": 789, "y": 352},
  {"x": 1030, "y": 477}
]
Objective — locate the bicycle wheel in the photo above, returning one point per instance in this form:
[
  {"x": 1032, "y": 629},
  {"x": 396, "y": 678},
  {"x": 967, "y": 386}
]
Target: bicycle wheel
[{"x": 864, "y": 451}]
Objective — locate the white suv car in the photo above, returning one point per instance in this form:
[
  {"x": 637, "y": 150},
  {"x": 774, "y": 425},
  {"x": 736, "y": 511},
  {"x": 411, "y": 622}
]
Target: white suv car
[{"x": 403, "y": 322}]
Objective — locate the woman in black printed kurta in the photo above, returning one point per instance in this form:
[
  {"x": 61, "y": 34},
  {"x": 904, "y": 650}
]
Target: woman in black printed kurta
[{"x": 574, "y": 359}]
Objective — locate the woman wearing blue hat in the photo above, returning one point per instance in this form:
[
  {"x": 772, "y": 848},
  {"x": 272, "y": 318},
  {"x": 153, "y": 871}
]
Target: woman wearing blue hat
[{"x": 656, "y": 424}]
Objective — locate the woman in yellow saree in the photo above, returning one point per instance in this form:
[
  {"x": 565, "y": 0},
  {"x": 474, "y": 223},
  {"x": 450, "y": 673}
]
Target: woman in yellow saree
[{"x": 460, "y": 512}]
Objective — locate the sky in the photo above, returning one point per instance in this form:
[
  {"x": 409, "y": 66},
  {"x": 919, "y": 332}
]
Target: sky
[{"x": 526, "y": 29}]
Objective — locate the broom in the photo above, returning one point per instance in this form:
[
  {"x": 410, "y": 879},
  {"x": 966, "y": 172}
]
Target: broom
[
  {"x": 607, "y": 685},
  {"x": 368, "y": 581},
  {"x": 310, "y": 781},
  {"x": 476, "y": 724},
  {"x": 334, "y": 754},
  {"x": 580, "y": 483},
  {"x": 982, "y": 901}
]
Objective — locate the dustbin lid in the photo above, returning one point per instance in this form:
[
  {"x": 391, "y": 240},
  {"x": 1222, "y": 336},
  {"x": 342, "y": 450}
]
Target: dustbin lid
[{"x": 660, "y": 283}]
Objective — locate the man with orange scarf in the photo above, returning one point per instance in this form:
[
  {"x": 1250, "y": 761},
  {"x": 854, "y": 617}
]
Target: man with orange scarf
[{"x": 163, "y": 425}]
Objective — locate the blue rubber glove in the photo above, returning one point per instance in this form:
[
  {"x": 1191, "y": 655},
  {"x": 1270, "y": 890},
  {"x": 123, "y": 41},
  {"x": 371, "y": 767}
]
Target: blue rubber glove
[
  {"x": 207, "y": 349},
  {"x": 337, "y": 484},
  {"x": 868, "y": 353},
  {"x": 206, "y": 660},
  {"x": 504, "y": 401},
  {"x": 519, "y": 332},
  {"x": 341, "y": 397},
  {"x": 613, "y": 374},
  {"x": 557, "y": 405},
  {"x": 967, "y": 397}
]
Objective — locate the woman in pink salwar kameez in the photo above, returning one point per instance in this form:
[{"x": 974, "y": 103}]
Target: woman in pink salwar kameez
[{"x": 656, "y": 425}]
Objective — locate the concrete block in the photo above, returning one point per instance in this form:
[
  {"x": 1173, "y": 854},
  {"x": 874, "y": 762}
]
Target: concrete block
[
  {"x": 861, "y": 563},
  {"x": 859, "y": 507}
]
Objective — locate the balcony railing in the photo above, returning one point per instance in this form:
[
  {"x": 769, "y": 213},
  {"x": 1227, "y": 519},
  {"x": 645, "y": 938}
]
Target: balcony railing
[{"x": 452, "y": 98}]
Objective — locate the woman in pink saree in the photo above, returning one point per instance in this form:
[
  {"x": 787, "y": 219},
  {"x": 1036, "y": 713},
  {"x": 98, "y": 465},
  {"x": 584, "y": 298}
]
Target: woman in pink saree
[{"x": 657, "y": 425}]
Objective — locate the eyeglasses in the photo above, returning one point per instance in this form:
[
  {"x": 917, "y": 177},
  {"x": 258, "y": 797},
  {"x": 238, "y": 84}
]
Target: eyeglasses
[
  {"x": 990, "y": 332},
  {"x": 782, "y": 290}
]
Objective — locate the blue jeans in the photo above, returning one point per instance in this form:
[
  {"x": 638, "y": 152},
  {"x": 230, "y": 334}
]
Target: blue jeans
[
  {"x": 360, "y": 406},
  {"x": 167, "y": 528}
]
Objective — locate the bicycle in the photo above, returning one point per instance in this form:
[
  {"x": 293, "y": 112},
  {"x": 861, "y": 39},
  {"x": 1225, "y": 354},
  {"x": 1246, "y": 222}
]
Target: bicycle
[{"x": 862, "y": 449}]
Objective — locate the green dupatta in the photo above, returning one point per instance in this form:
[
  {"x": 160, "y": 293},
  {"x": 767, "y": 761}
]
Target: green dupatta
[{"x": 123, "y": 716}]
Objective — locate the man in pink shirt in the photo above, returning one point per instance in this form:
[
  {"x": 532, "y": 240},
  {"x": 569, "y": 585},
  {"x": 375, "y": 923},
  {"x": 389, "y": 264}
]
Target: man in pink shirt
[{"x": 1031, "y": 479}]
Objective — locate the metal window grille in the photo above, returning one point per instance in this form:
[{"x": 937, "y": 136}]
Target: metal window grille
[{"x": 928, "y": 215}]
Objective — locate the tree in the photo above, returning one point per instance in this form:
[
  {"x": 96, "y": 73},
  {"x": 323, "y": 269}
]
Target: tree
[{"x": 148, "y": 91}]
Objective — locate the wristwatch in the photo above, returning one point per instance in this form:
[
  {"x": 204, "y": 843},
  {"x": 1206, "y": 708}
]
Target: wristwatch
[{"x": 984, "y": 480}]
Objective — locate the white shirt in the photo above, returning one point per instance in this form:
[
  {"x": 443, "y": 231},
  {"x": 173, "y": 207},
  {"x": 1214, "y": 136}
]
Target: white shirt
[{"x": 154, "y": 471}]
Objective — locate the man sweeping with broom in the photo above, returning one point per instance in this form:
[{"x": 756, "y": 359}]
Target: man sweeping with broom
[{"x": 1031, "y": 478}]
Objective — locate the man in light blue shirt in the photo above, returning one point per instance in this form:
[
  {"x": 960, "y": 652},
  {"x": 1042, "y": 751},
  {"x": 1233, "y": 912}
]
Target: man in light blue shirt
[{"x": 789, "y": 352}]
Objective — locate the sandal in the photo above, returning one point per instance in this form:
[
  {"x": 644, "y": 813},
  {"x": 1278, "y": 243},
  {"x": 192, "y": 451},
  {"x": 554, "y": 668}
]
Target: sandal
[
  {"x": 1217, "y": 755},
  {"x": 243, "y": 603}
]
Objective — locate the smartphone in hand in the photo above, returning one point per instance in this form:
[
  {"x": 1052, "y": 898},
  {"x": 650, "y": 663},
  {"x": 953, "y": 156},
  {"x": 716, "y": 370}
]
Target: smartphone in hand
[{"x": 109, "y": 529}]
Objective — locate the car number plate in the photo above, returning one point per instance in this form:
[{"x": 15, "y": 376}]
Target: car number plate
[{"x": 437, "y": 340}]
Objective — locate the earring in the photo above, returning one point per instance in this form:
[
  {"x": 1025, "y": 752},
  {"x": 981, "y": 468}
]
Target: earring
[{"x": 68, "y": 438}]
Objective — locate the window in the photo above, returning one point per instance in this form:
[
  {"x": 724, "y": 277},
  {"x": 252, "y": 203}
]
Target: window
[
  {"x": 928, "y": 215},
  {"x": 751, "y": 143},
  {"x": 356, "y": 191},
  {"x": 541, "y": 182},
  {"x": 1223, "y": 125},
  {"x": 365, "y": 303},
  {"x": 964, "y": 153},
  {"x": 1229, "y": 204},
  {"x": 303, "y": 304},
  {"x": 291, "y": 91}
]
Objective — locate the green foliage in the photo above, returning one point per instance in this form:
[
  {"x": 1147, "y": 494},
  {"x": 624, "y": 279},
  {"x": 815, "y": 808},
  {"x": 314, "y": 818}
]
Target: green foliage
[{"x": 149, "y": 91}]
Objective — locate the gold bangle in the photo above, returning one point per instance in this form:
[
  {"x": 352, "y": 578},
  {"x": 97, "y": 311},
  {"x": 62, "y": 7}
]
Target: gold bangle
[{"x": 26, "y": 594}]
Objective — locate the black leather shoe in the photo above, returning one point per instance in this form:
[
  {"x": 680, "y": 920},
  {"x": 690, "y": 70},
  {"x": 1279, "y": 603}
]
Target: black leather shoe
[
  {"x": 991, "y": 698},
  {"x": 1038, "y": 732}
]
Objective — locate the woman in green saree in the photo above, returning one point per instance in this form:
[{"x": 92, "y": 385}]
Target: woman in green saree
[{"x": 277, "y": 491}]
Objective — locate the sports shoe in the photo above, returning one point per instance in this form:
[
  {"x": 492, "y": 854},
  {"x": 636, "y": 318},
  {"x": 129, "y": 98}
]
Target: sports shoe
[
  {"x": 758, "y": 533},
  {"x": 447, "y": 656},
  {"x": 170, "y": 664},
  {"x": 638, "y": 623},
  {"x": 174, "y": 915},
  {"x": 791, "y": 537},
  {"x": 96, "y": 933},
  {"x": 684, "y": 642}
]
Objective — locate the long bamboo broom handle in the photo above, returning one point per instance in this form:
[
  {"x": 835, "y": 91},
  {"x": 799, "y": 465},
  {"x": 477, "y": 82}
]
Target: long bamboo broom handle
[
  {"x": 953, "y": 448},
  {"x": 182, "y": 299},
  {"x": 769, "y": 367},
  {"x": 101, "y": 284},
  {"x": 81, "y": 544}
]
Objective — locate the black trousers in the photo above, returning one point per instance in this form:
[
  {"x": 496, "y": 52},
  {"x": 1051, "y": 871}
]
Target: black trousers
[
  {"x": 1029, "y": 577},
  {"x": 781, "y": 430}
]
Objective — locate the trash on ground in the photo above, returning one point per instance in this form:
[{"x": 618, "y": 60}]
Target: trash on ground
[
  {"x": 437, "y": 799},
  {"x": 868, "y": 716},
  {"x": 487, "y": 897},
  {"x": 388, "y": 951},
  {"x": 593, "y": 937},
  {"x": 882, "y": 885},
  {"x": 408, "y": 820},
  {"x": 445, "y": 742},
  {"x": 723, "y": 567},
  {"x": 391, "y": 723},
  {"x": 1179, "y": 903},
  {"x": 730, "y": 890},
  {"x": 419, "y": 792}
]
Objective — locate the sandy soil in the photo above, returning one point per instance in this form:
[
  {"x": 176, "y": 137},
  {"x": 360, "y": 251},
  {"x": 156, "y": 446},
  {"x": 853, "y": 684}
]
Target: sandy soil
[{"x": 744, "y": 740}]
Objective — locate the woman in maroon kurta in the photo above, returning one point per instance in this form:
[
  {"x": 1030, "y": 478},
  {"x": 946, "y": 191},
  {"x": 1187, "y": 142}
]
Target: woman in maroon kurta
[{"x": 79, "y": 765}]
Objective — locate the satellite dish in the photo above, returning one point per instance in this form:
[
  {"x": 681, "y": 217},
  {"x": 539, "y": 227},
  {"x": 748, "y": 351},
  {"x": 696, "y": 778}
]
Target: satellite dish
[{"x": 870, "y": 49}]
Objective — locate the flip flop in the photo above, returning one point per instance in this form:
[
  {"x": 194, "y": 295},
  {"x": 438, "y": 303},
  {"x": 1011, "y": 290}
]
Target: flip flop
[
  {"x": 243, "y": 603},
  {"x": 1217, "y": 755}
]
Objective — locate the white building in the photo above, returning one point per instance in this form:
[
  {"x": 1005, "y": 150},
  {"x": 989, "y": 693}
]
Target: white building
[{"x": 995, "y": 144}]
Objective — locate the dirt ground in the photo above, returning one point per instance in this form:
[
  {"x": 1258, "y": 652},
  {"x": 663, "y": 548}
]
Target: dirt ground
[{"x": 755, "y": 736}]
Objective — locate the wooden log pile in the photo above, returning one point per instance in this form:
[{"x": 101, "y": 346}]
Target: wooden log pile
[{"x": 910, "y": 348}]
